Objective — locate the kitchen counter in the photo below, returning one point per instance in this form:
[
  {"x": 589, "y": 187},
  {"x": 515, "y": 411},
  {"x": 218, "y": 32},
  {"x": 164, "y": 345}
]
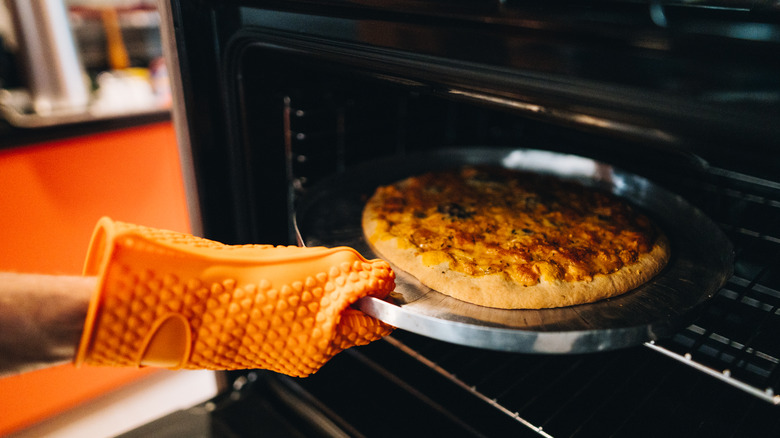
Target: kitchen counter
[{"x": 12, "y": 136}]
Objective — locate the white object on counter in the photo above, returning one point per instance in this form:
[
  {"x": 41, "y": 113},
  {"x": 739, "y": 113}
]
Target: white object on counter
[{"x": 123, "y": 92}]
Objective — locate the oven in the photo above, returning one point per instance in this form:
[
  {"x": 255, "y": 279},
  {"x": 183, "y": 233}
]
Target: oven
[{"x": 276, "y": 98}]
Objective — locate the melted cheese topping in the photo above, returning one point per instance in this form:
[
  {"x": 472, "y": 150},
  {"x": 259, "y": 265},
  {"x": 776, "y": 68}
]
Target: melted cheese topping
[{"x": 529, "y": 227}]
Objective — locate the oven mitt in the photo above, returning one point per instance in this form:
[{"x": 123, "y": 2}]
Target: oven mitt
[{"x": 177, "y": 301}]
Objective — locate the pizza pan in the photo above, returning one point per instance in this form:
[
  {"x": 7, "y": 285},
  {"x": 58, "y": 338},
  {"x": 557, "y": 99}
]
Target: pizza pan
[{"x": 701, "y": 260}]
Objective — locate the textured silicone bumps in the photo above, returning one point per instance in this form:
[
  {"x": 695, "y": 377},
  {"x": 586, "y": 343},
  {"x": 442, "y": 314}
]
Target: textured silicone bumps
[{"x": 174, "y": 300}]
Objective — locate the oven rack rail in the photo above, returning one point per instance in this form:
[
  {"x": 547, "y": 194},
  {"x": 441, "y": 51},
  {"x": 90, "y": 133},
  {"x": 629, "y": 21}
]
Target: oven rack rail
[
  {"x": 472, "y": 389},
  {"x": 734, "y": 337},
  {"x": 732, "y": 360},
  {"x": 766, "y": 394}
]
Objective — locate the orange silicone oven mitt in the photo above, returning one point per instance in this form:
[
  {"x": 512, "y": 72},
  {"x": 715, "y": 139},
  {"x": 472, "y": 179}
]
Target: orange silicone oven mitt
[{"x": 174, "y": 300}]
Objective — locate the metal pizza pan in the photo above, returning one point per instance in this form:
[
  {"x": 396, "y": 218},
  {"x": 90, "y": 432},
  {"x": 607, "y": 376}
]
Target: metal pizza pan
[{"x": 701, "y": 261}]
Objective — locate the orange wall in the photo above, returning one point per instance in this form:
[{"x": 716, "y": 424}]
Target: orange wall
[{"x": 51, "y": 195}]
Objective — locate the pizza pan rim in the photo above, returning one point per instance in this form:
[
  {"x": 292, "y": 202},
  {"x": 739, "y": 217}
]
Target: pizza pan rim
[{"x": 701, "y": 263}]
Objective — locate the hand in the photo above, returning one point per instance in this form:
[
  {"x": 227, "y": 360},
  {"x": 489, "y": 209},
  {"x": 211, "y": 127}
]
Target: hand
[{"x": 178, "y": 301}]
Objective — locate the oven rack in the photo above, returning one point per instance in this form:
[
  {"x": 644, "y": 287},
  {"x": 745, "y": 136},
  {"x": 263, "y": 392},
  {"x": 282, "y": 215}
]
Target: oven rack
[
  {"x": 617, "y": 394},
  {"x": 469, "y": 388},
  {"x": 734, "y": 360},
  {"x": 734, "y": 338}
]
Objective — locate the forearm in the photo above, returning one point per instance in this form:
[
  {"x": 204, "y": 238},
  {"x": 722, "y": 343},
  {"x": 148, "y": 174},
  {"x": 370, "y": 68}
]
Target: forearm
[{"x": 41, "y": 319}]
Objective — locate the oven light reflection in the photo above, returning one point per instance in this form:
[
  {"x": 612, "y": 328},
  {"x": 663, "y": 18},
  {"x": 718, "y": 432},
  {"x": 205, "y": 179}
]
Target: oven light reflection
[
  {"x": 569, "y": 165},
  {"x": 580, "y": 119},
  {"x": 500, "y": 100}
]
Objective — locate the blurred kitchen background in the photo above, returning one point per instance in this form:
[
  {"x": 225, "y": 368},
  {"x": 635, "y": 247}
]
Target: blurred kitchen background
[
  {"x": 69, "y": 61},
  {"x": 85, "y": 131}
]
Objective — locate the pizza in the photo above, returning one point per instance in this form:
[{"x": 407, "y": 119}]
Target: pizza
[{"x": 513, "y": 239}]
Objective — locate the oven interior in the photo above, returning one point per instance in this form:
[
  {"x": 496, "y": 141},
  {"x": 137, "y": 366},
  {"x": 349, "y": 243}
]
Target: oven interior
[
  {"x": 298, "y": 110},
  {"x": 332, "y": 123}
]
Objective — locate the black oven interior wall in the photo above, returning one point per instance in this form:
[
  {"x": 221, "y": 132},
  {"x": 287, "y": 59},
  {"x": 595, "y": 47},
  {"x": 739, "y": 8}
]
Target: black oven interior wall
[
  {"x": 300, "y": 121},
  {"x": 303, "y": 120}
]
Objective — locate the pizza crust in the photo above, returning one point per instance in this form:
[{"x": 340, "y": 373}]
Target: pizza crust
[{"x": 499, "y": 290}]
